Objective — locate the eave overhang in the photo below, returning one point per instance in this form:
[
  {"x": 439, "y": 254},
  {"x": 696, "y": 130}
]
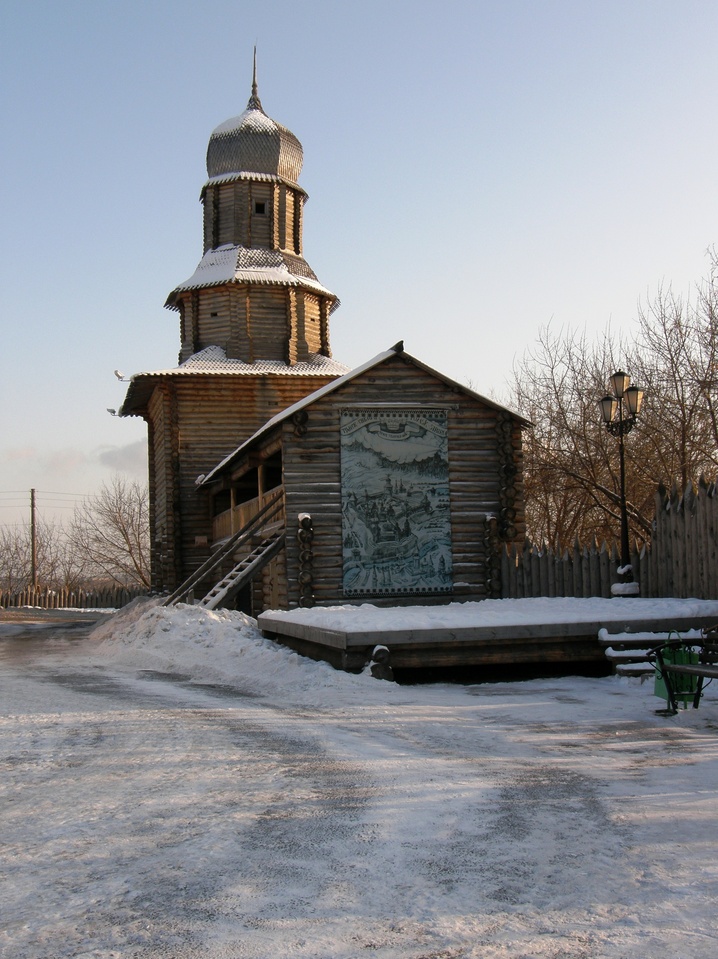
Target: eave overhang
[
  {"x": 241, "y": 265},
  {"x": 337, "y": 384},
  {"x": 213, "y": 362}
]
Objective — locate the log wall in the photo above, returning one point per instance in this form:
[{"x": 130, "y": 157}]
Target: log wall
[
  {"x": 213, "y": 317},
  {"x": 196, "y": 421},
  {"x": 232, "y": 215},
  {"x": 312, "y": 475},
  {"x": 311, "y": 323},
  {"x": 287, "y": 228},
  {"x": 254, "y": 322},
  {"x": 163, "y": 488},
  {"x": 268, "y": 323},
  {"x": 269, "y": 589}
]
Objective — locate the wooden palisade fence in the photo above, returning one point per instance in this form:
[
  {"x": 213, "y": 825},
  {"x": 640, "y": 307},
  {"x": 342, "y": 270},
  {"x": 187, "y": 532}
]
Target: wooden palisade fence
[
  {"x": 685, "y": 542},
  {"x": 112, "y": 597},
  {"x": 582, "y": 571},
  {"x": 680, "y": 561}
]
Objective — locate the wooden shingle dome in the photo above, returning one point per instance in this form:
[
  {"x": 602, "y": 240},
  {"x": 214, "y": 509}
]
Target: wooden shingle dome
[{"x": 254, "y": 143}]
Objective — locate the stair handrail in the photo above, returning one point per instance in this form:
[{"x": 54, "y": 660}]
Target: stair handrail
[
  {"x": 268, "y": 511},
  {"x": 265, "y": 552}
]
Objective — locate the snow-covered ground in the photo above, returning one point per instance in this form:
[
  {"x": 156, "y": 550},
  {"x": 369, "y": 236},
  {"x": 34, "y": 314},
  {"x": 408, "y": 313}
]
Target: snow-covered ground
[{"x": 174, "y": 785}]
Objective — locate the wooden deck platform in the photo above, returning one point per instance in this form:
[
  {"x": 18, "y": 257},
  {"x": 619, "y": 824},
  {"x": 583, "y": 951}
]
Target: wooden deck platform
[{"x": 492, "y": 633}]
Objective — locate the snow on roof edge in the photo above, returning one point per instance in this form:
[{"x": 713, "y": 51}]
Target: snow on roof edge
[
  {"x": 248, "y": 175},
  {"x": 213, "y": 361}
]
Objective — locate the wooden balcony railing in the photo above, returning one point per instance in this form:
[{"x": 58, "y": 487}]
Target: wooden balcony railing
[{"x": 227, "y": 523}]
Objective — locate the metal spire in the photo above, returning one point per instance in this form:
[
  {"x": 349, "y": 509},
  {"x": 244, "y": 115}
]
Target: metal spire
[{"x": 254, "y": 102}]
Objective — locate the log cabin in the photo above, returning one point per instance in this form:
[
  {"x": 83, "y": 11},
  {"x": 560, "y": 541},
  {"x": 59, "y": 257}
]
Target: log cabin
[
  {"x": 392, "y": 484},
  {"x": 278, "y": 478}
]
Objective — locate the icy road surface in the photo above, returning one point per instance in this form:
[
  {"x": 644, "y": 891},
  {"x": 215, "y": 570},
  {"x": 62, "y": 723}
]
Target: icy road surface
[{"x": 181, "y": 788}]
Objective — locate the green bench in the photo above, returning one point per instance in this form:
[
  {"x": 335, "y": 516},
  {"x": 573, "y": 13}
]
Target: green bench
[{"x": 683, "y": 666}]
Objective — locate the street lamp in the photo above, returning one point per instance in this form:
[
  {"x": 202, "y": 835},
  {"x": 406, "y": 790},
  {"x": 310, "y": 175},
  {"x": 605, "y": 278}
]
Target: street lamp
[{"x": 620, "y": 411}]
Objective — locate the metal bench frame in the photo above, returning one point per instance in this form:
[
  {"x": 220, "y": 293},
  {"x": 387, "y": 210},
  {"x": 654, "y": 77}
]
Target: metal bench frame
[{"x": 705, "y": 669}]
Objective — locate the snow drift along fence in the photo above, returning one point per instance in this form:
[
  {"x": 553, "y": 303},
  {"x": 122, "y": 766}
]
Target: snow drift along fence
[
  {"x": 109, "y": 598},
  {"x": 680, "y": 561}
]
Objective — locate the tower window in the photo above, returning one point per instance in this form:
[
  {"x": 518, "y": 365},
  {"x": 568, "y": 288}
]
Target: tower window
[{"x": 260, "y": 207}]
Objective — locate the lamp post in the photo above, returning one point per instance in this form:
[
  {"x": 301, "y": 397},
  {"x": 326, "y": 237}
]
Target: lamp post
[{"x": 620, "y": 411}]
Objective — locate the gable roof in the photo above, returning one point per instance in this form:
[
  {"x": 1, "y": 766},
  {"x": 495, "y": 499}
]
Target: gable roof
[{"x": 337, "y": 384}]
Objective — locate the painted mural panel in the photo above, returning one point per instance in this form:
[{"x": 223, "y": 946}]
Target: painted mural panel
[{"x": 396, "y": 523}]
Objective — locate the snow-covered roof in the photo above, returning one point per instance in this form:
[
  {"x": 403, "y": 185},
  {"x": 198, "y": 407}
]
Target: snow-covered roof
[
  {"x": 239, "y": 264},
  {"x": 214, "y": 361},
  {"x": 337, "y": 384},
  {"x": 251, "y": 120},
  {"x": 253, "y": 142},
  {"x": 245, "y": 175}
]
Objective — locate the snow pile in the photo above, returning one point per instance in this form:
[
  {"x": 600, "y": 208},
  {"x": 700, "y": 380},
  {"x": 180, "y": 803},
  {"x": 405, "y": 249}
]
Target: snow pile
[
  {"x": 224, "y": 646},
  {"x": 218, "y": 646}
]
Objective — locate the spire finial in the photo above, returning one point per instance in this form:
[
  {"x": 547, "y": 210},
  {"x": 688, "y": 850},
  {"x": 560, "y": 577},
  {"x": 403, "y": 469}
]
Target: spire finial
[{"x": 254, "y": 102}]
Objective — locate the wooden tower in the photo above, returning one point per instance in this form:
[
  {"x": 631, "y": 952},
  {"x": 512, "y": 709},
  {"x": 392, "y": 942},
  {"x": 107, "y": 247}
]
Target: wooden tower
[{"x": 254, "y": 332}]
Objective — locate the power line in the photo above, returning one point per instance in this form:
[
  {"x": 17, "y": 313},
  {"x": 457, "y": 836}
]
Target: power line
[
  {"x": 44, "y": 498},
  {"x": 44, "y": 492},
  {"x": 43, "y": 507}
]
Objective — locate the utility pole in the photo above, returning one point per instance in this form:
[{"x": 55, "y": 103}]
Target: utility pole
[{"x": 33, "y": 540}]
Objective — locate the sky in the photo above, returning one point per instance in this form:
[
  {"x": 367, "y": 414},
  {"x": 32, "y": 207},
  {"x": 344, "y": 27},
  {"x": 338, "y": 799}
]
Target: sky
[{"x": 476, "y": 171}]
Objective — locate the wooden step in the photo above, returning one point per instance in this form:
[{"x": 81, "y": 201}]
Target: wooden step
[
  {"x": 630, "y": 640},
  {"x": 626, "y": 655},
  {"x": 244, "y": 571},
  {"x": 634, "y": 669}
]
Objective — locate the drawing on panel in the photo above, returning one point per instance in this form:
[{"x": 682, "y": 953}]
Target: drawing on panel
[{"x": 395, "y": 501}]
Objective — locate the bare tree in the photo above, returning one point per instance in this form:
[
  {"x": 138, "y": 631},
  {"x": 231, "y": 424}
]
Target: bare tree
[
  {"x": 57, "y": 565},
  {"x": 109, "y": 533},
  {"x": 571, "y": 462},
  {"x": 675, "y": 354},
  {"x": 570, "y": 481},
  {"x": 14, "y": 558}
]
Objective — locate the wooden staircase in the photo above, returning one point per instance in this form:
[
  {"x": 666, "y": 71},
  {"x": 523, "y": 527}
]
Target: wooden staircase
[
  {"x": 244, "y": 572},
  {"x": 248, "y": 551}
]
